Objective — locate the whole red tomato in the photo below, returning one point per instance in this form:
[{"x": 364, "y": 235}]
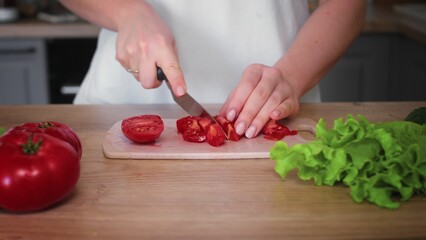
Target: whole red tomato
[
  {"x": 55, "y": 129},
  {"x": 142, "y": 128},
  {"x": 36, "y": 170}
]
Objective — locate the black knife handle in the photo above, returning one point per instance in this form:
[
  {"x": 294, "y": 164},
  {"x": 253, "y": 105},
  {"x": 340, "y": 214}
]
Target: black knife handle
[{"x": 160, "y": 74}]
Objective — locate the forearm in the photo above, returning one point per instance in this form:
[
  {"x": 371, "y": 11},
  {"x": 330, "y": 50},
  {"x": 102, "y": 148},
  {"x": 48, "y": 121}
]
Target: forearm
[
  {"x": 321, "y": 41},
  {"x": 107, "y": 14}
]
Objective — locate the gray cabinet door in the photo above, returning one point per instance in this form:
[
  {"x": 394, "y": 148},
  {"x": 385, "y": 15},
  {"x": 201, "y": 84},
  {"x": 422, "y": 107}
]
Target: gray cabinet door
[
  {"x": 378, "y": 67},
  {"x": 363, "y": 71},
  {"x": 410, "y": 82},
  {"x": 23, "y": 78}
]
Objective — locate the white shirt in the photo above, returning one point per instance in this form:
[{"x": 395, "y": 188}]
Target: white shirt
[{"x": 216, "y": 41}]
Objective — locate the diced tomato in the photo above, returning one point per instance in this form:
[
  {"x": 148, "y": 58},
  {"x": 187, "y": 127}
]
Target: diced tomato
[
  {"x": 228, "y": 127},
  {"x": 273, "y": 130},
  {"x": 221, "y": 121},
  {"x": 194, "y": 136},
  {"x": 188, "y": 123},
  {"x": 205, "y": 124},
  {"x": 215, "y": 136},
  {"x": 232, "y": 134}
]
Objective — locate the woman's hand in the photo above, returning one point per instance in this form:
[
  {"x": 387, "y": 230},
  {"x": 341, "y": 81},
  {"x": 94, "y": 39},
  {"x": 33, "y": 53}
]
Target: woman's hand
[
  {"x": 144, "y": 42},
  {"x": 261, "y": 95}
]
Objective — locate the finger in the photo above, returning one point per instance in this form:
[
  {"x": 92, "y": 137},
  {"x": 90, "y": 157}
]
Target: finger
[
  {"x": 148, "y": 74},
  {"x": 287, "y": 108},
  {"x": 128, "y": 55},
  {"x": 225, "y": 107},
  {"x": 258, "y": 101},
  {"x": 249, "y": 80},
  {"x": 120, "y": 54},
  {"x": 171, "y": 68},
  {"x": 264, "y": 113}
]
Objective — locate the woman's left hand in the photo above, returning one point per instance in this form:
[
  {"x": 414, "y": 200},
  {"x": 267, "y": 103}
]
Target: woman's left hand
[{"x": 262, "y": 94}]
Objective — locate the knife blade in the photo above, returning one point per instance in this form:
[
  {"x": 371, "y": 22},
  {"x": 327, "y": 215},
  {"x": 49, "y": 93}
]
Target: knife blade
[{"x": 188, "y": 103}]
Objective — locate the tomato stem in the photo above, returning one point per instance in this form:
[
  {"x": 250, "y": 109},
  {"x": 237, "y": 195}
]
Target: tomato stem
[
  {"x": 46, "y": 125},
  {"x": 31, "y": 147}
]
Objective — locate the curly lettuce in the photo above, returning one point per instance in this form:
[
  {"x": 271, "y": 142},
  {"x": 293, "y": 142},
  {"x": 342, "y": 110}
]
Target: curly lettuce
[
  {"x": 383, "y": 163},
  {"x": 2, "y": 131}
]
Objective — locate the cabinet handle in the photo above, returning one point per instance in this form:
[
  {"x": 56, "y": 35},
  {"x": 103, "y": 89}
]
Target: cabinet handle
[
  {"x": 17, "y": 51},
  {"x": 69, "y": 89}
]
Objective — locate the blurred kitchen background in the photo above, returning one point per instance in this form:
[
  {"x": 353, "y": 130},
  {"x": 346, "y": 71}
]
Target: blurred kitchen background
[{"x": 45, "y": 52}]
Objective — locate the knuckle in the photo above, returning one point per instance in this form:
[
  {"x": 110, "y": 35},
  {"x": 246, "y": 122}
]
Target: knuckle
[
  {"x": 262, "y": 92},
  {"x": 120, "y": 57},
  {"x": 289, "y": 107},
  {"x": 275, "y": 98},
  {"x": 272, "y": 73},
  {"x": 131, "y": 50},
  {"x": 173, "y": 67}
]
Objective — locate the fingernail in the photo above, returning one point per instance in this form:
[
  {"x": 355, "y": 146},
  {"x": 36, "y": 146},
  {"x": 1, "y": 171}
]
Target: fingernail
[
  {"x": 251, "y": 131},
  {"x": 241, "y": 127},
  {"x": 180, "y": 91},
  {"x": 231, "y": 115}
]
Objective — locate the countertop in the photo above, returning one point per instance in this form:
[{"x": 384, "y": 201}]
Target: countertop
[
  {"x": 379, "y": 19},
  {"x": 203, "y": 199},
  {"x": 385, "y": 19},
  {"x": 32, "y": 28}
]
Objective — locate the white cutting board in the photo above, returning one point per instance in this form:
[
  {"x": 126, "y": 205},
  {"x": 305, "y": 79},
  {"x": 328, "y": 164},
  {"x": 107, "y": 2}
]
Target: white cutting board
[{"x": 171, "y": 145}]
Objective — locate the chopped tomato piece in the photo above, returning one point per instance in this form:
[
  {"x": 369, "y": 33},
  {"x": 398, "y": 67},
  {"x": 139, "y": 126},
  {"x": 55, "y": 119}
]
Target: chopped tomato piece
[
  {"x": 232, "y": 134},
  {"x": 274, "y": 130},
  {"x": 188, "y": 123},
  {"x": 215, "y": 136},
  {"x": 221, "y": 121},
  {"x": 205, "y": 124},
  {"x": 194, "y": 136},
  {"x": 228, "y": 127}
]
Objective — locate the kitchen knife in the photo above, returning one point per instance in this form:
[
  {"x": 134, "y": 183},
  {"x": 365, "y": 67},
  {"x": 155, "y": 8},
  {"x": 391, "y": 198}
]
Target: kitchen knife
[{"x": 188, "y": 103}]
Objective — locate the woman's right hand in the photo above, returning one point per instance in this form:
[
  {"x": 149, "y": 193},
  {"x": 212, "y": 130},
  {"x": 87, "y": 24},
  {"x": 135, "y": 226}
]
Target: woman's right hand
[{"x": 144, "y": 42}]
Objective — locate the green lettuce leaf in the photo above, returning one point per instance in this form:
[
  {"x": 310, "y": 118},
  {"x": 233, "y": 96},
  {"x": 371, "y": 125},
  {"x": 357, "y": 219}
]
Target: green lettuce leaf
[
  {"x": 383, "y": 163},
  {"x": 2, "y": 131}
]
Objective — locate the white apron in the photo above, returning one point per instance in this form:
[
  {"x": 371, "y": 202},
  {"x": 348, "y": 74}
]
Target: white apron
[{"x": 216, "y": 41}]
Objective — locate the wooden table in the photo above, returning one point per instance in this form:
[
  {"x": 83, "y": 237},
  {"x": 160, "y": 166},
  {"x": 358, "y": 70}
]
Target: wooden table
[{"x": 203, "y": 199}]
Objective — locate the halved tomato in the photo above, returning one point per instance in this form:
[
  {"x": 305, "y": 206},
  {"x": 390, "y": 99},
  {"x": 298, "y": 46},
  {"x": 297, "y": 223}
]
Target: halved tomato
[
  {"x": 274, "y": 130},
  {"x": 142, "y": 128}
]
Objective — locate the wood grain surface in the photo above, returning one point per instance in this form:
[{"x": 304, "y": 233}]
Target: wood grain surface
[{"x": 209, "y": 199}]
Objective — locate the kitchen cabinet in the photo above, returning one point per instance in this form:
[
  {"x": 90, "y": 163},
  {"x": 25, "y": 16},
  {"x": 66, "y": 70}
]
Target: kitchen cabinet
[
  {"x": 409, "y": 83},
  {"x": 378, "y": 67},
  {"x": 68, "y": 60},
  {"x": 23, "y": 78}
]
